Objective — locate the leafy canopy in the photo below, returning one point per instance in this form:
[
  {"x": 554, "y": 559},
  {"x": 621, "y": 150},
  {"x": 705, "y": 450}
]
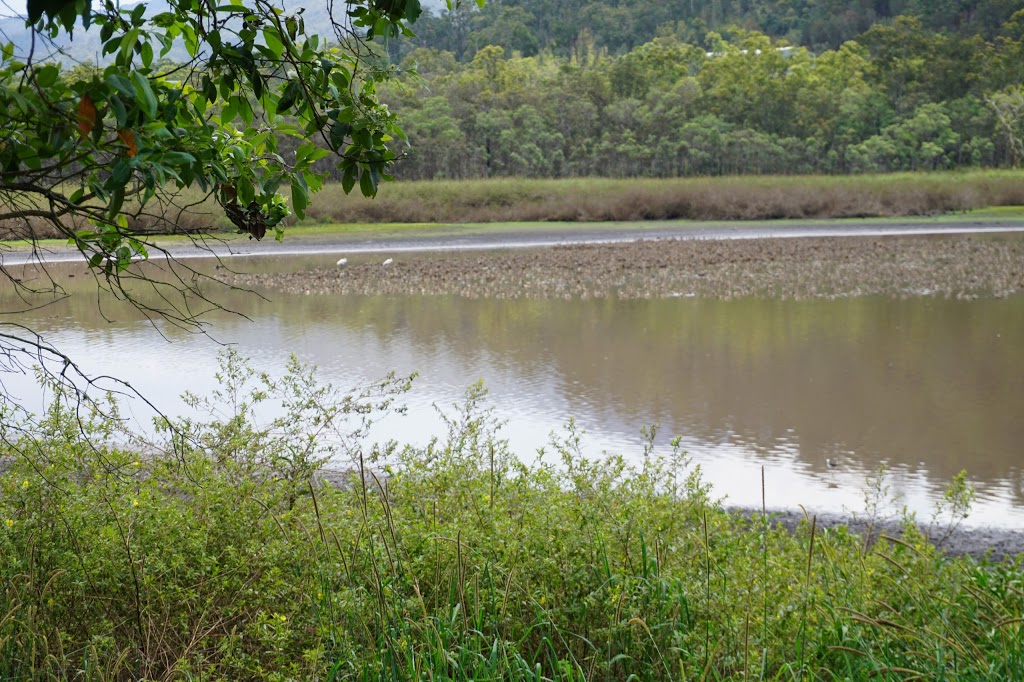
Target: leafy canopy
[{"x": 85, "y": 149}]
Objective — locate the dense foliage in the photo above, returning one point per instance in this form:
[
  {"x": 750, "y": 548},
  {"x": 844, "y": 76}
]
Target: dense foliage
[
  {"x": 85, "y": 147},
  {"x": 530, "y": 26},
  {"x": 915, "y": 92},
  {"x": 92, "y": 153},
  {"x": 211, "y": 557}
]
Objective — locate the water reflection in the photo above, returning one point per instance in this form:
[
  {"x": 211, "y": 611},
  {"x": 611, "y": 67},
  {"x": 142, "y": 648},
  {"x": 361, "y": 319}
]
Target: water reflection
[{"x": 925, "y": 386}]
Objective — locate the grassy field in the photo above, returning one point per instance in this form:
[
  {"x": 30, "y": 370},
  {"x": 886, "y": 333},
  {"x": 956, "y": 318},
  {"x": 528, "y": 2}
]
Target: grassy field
[
  {"x": 704, "y": 199},
  {"x": 415, "y": 206},
  {"x": 459, "y": 561},
  {"x": 405, "y": 231}
]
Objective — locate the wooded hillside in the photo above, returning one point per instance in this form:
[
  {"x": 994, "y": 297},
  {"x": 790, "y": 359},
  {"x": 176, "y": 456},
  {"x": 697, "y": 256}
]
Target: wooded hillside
[
  {"x": 530, "y": 26},
  {"x": 686, "y": 87}
]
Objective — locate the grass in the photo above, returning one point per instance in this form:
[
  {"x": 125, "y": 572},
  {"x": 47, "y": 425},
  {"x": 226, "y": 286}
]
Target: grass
[
  {"x": 703, "y": 199},
  {"x": 379, "y": 230},
  {"x": 307, "y": 230},
  {"x": 410, "y": 207},
  {"x": 458, "y": 561}
]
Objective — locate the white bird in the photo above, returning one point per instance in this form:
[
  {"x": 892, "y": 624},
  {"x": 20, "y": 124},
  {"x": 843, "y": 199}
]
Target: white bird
[
  {"x": 388, "y": 262},
  {"x": 832, "y": 465},
  {"x": 342, "y": 262}
]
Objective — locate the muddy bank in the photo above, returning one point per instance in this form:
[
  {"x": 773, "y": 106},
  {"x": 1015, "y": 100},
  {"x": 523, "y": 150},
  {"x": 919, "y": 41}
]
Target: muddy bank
[
  {"x": 822, "y": 267},
  {"x": 995, "y": 544}
]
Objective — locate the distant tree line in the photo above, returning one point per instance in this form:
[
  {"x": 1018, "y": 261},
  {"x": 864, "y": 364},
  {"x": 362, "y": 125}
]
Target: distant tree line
[
  {"x": 900, "y": 96},
  {"x": 532, "y": 26}
]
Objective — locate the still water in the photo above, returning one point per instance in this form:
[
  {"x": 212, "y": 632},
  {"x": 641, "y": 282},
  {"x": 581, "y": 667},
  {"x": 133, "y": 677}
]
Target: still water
[{"x": 925, "y": 386}]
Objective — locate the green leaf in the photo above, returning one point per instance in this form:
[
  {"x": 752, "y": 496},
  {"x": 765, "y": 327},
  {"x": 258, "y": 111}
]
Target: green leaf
[
  {"x": 36, "y": 8},
  {"x": 209, "y": 89},
  {"x": 122, "y": 85},
  {"x": 128, "y": 45},
  {"x": 348, "y": 180},
  {"x": 68, "y": 13},
  {"x": 257, "y": 83},
  {"x": 146, "y": 52},
  {"x": 120, "y": 113},
  {"x": 116, "y": 201},
  {"x": 179, "y": 159},
  {"x": 362, "y": 137},
  {"x": 191, "y": 40},
  {"x": 244, "y": 110},
  {"x": 272, "y": 38},
  {"x": 300, "y": 199},
  {"x": 246, "y": 192},
  {"x": 120, "y": 174},
  {"x": 413, "y": 10},
  {"x": 316, "y": 154},
  {"x": 288, "y": 97},
  {"x": 165, "y": 19},
  {"x": 47, "y": 75},
  {"x": 228, "y": 113},
  {"x": 367, "y": 185},
  {"x": 338, "y": 133},
  {"x": 145, "y": 98},
  {"x": 19, "y": 99},
  {"x": 139, "y": 11}
]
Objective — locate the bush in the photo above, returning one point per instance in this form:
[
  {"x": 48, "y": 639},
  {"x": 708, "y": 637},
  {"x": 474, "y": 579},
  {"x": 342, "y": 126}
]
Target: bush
[{"x": 221, "y": 552}]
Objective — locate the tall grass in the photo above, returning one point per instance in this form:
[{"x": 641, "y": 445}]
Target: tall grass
[
  {"x": 722, "y": 198},
  {"x": 607, "y": 199},
  {"x": 456, "y": 561}
]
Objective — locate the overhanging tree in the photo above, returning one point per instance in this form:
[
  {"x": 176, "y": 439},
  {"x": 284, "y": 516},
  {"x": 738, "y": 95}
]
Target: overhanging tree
[{"x": 96, "y": 153}]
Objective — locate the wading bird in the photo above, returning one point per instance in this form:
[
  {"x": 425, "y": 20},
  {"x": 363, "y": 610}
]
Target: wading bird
[{"x": 832, "y": 465}]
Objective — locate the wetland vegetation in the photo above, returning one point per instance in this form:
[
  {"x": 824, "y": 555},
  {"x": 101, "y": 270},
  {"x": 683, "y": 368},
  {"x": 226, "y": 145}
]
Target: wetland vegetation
[
  {"x": 410, "y": 205},
  {"x": 213, "y": 547},
  {"x": 216, "y": 556}
]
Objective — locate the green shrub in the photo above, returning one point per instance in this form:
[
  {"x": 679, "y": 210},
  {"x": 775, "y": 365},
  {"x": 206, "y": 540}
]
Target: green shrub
[{"x": 219, "y": 552}]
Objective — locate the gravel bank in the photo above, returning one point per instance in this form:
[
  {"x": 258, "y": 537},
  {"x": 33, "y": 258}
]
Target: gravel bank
[{"x": 824, "y": 267}]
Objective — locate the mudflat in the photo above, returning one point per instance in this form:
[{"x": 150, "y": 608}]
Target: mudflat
[{"x": 963, "y": 266}]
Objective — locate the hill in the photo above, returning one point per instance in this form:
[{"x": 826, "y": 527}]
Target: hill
[{"x": 560, "y": 26}]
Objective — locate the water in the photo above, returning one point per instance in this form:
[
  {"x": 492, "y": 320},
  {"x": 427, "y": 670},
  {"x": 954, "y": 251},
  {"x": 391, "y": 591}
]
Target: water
[
  {"x": 487, "y": 236},
  {"x": 925, "y": 386}
]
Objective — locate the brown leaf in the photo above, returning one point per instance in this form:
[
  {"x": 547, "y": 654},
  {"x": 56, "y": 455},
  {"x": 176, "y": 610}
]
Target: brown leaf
[
  {"x": 128, "y": 138},
  {"x": 86, "y": 115}
]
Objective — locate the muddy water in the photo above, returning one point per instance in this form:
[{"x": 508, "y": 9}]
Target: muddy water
[{"x": 926, "y": 386}]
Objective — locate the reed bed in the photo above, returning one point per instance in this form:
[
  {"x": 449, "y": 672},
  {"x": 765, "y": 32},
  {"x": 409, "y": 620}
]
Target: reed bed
[
  {"x": 708, "y": 199},
  {"x": 608, "y": 199},
  {"x": 229, "y": 558}
]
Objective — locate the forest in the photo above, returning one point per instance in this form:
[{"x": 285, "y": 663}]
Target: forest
[{"x": 676, "y": 88}]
